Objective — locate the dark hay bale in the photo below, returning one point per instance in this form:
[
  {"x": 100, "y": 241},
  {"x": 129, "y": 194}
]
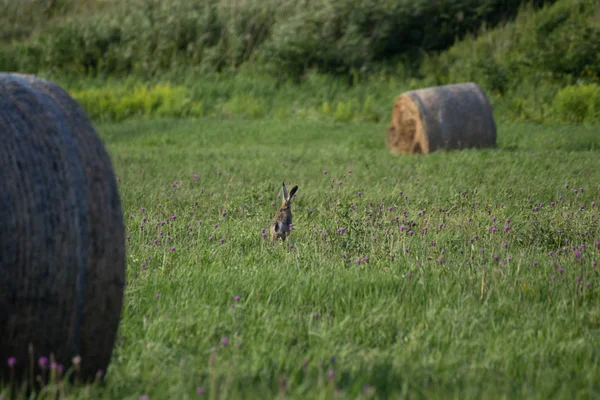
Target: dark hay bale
[
  {"x": 62, "y": 245},
  {"x": 443, "y": 117}
]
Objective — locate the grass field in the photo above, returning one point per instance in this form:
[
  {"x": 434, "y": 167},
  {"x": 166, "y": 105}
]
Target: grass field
[{"x": 466, "y": 274}]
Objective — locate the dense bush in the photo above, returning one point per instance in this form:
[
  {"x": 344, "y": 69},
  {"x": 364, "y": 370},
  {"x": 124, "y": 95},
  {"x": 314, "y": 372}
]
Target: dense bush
[
  {"x": 577, "y": 104},
  {"x": 338, "y": 36},
  {"x": 560, "y": 44},
  {"x": 19, "y": 18},
  {"x": 149, "y": 37}
]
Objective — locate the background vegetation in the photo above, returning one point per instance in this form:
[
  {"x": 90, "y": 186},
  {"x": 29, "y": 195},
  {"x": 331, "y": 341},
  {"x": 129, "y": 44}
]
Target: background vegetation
[{"x": 254, "y": 59}]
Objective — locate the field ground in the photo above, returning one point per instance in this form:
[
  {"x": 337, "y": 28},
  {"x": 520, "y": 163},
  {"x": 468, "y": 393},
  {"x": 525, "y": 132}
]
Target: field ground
[{"x": 464, "y": 274}]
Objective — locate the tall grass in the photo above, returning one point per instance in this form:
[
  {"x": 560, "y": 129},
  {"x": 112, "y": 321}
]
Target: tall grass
[{"x": 463, "y": 274}]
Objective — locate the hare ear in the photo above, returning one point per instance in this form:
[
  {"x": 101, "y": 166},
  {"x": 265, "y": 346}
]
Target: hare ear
[
  {"x": 284, "y": 190},
  {"x": 292, "y": 192}
]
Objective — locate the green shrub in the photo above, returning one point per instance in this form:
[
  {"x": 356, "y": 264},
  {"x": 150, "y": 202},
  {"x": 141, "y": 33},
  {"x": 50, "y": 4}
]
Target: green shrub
[
  {"x": 117, "y": 103},
  {"x": 338, "y": 36},
  {"x": 578, "y": 104},
  {"x": 149, "y": 37},
  {"x": 559, "y": 43}
]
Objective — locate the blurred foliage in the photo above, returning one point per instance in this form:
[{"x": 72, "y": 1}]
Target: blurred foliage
[
  {"x": 559, "y": 44},
  {"x": 246, "y": 58},
  {"x": 577, "y": 104},
  {"x": 148, "y": 37}
]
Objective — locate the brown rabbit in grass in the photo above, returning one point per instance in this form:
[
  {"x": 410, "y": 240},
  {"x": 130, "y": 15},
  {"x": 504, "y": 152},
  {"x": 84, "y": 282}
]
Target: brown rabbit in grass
[{"x": 281, "y": 226}]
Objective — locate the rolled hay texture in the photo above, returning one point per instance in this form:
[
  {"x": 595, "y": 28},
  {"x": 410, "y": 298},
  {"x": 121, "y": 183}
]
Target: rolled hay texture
[
  {"x": 62, "y": 245},
  {"x": 442, "y": 117}
]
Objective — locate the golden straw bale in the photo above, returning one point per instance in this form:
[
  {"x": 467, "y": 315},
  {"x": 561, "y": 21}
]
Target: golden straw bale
[{"x": 443, "y": 117}]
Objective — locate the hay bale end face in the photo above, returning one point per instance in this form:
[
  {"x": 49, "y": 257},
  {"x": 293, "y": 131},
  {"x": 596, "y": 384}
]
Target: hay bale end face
[
  {"x": 444, "y": 117},
  {"x": 62, "y": 245}
]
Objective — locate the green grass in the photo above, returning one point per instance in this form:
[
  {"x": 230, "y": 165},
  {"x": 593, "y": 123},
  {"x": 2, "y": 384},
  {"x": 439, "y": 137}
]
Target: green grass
[{"x": 404, "y": 323}]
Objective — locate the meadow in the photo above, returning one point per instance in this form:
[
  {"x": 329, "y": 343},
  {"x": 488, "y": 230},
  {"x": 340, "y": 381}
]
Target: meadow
[{"x": 464, "y": 274}]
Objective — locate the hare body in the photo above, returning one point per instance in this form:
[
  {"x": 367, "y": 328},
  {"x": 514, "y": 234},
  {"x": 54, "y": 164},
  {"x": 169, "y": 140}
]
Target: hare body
[{"x": 281, "y": 226}]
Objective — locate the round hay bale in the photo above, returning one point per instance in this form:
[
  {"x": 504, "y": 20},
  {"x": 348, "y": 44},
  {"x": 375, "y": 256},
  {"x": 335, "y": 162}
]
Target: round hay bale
[
  {"x": 443, "y": 117},
  {"x": 62, "y": 244}
]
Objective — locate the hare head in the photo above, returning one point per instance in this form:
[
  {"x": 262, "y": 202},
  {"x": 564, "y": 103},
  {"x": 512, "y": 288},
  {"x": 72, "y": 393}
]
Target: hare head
[{"x": 280, "y": 228}]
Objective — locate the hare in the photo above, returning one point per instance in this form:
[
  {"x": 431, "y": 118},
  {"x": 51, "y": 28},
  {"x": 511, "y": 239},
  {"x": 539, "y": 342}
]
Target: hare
[{"x": 283, "y": 219}]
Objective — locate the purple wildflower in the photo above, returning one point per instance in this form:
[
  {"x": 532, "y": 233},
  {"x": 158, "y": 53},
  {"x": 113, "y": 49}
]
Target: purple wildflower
[{"x": 43, "y": 362}]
